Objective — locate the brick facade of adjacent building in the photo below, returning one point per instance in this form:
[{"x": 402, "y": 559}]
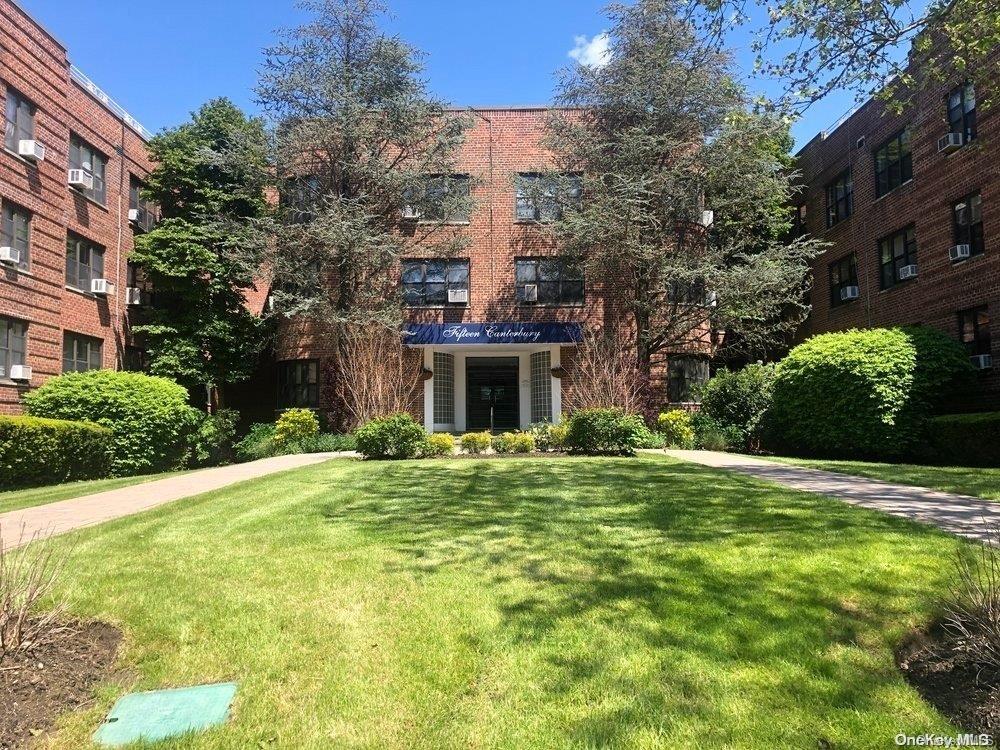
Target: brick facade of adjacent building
[
  {"x": 941, "y": 288},
  {"x": 35, "y": 66}
]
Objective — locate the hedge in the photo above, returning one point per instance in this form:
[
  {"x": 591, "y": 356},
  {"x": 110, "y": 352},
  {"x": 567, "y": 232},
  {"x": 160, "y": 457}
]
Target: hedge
[
  {"x": 35, "y": 451},
  {"x": 964, "y": 439},
  {"x": 150, "y": 421},
  {"x": 737, "y": 401},
  {"x": 606, "y": 432},
  {"x": 865, "y": 393},
  {"x": 394, "y": 436}
]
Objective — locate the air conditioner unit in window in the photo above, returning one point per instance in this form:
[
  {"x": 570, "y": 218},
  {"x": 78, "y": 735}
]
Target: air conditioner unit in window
[
  {"x": 531, "y": 292},
  {"x": 10, "y": 255},
  {"x": 102, "y": 287},
  {"x": 458, "y": 296},
  {"x": 950, "y": 142},
  {"x": 849, "y": 292},
  {"x": 134, "y": 215},
  {"x": 21, "y": 373},
  {"x": 908, "y": 272},
  {"x": 959, "y": 252},
  {"x": 982, "y": 361},
  {"x": 80, "y": 178},
  {"x": 133, "y": 295},
  {"x": 707, "y": 218},
  {"x": 711, "y": 299},
  {"x": 31, "y": 150},
  {"x": 411, "y": 213}
]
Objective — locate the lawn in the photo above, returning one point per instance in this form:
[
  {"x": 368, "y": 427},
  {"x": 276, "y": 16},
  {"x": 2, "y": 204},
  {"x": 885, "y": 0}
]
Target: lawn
[
  {"x": 18, "y": 499},
  {"x": 961, "y": 479},
  {"x": 517, "y": 603}
]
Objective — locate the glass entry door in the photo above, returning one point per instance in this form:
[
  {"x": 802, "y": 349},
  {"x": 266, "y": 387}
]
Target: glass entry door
[{"x": 492, "y": 398}]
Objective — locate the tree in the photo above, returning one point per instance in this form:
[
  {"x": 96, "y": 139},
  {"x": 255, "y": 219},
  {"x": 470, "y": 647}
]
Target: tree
[
  {"x": 661, "y": 132},
  {"x": 357, "y": 135},
  {"x": 209, "y": 182},
  {"x": 862, "y": 46}
]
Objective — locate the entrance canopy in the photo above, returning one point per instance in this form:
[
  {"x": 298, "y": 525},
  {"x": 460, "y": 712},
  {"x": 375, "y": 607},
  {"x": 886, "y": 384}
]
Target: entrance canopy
[{"x": 471, "y": 334}]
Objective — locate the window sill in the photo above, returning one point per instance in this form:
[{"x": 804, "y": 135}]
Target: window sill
[
  {"x": 74, "y": 191},
  {"x": 431, "y": 223},
  {"x": 81, "y": 292},
  {"x": 898, "y": 187},
  {"x": 535, "y": 222},
  {"x": 20, "y": 158},
  {"x": 454, "y": 306},
  {"x": 18, "y": 271},
  {"x": 970, "y": 259},
  {"x": 16, "y": 383}
]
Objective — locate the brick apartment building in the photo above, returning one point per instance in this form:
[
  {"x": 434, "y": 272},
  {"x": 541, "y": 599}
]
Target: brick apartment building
[
  {"x": 911, "y": 205},
  {"x": 70, "y": 164}
]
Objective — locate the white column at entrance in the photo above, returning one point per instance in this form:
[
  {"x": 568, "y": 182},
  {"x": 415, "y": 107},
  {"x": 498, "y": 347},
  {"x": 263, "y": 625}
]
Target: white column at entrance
[
  {"x": 524, "y": 387},
  {"x": 429, "y": 391},
  {"x": 460, "y": 393}
]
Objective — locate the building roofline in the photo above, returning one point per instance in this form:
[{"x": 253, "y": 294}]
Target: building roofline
[
  {"x": 39, "y": 24},
  {"x": 80, "y": 78}
]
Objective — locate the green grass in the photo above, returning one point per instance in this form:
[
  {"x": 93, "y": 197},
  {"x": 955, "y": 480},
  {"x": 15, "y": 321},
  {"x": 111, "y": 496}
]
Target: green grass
[
  {"x": 18, "y": 499},
  {"x": 960, "y": 479},
  {"x": 523, "y": 603}
]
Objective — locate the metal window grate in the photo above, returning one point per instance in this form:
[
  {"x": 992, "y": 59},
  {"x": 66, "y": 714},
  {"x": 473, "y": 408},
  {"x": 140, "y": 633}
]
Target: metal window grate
[
  {"x": 444, "y": 388},
  {"x": 541, "y": 387}
]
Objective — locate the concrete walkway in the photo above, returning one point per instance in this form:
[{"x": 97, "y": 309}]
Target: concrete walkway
[
  {"x": 959, "y": 514},
  {"x": 22, "y": 526}
]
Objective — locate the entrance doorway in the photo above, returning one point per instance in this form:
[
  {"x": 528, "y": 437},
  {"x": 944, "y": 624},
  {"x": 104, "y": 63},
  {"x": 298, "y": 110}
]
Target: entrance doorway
[{"x": 492, "y": 398}]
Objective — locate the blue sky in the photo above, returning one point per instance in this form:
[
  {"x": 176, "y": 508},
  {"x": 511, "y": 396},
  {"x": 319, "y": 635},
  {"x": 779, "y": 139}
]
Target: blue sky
[{"x": 161, "y": 60}]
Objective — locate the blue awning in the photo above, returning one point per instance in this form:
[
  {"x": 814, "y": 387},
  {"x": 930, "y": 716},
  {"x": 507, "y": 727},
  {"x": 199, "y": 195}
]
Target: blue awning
[{"x": 466, "y": 334}]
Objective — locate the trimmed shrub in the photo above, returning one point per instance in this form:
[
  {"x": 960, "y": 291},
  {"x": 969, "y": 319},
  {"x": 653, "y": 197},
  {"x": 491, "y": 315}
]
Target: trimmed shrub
[
  {"x": 259, "y": 443},
  {"x": 150, "y": 421},
  {"x": 675, "y": 427},
  {"x": 964, "y": 439},
  {"x": 865, "y": 394},
  {"x": 605, "y": 431},
  {"x": 439, "y": 444},
  {"x": 514, "y": 442},
  {"x": 476, "y": 442},
  {"x": 212, "y": 444},
  {"x": 738, "y": 402},
  {"x": 541, "y": 433},
  {"x": 295, "y": 425},
  {"x": 395, "y": 436},
  {"x": 36, "y": 451}
]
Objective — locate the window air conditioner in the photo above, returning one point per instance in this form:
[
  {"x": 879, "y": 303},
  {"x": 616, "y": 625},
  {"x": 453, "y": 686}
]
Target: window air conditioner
[
  {"x": 908, "y": 272},
  {"x": 982, "y": 361},
  {"x": 531, "y": 292},
  {"x": 458, "y": 296},
  {"x": 102, "y": 287},
  {"x": 31, "y": 150},
  {"x": 849, "y": 292},
  {"x": 10, "y": 255},
  {"x": 133, "y": 295},
  {"x": 950, "y": 142},
  {"x": 80, "y": 178},
  {"x": 21, "y": 373},
  {"x": 959, "y": 252}
]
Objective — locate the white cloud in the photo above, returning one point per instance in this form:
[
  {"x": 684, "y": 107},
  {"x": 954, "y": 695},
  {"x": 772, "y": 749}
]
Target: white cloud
[{"x": 591, "y": 52}]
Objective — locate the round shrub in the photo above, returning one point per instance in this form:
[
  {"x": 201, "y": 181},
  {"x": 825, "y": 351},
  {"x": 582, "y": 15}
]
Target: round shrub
[
  {"x": 675, "y": 426},
  {"x": 150, "y": 421},
  {"x": 36, "y": 451},
  {"x": 605, "y": 431},
  {"x": 476, "y": 442},
  {"x": 395, "y": 436},
  {"x": 294, "y": 426},
  {"x": 439, "y": 444},
  {"x": 514, "y": 442},
  {"x": 213, "y": 440},
  {"x": 738, "y": 402},
  {"x": 864, "y": 393}
]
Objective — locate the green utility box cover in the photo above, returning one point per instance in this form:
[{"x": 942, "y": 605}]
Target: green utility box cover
[{"x": 160, "y": 714}]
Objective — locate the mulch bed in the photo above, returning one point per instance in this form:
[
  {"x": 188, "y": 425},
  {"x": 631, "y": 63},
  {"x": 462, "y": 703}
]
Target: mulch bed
[
  {"x": 38, "y": 685},
  {"x": 961, "y": 689}
]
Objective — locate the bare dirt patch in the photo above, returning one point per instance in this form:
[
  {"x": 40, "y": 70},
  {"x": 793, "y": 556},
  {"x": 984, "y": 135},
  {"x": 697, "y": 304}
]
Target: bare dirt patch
[
  {"x": 38, "y": 685},
  {"x": 962, "y": 689}
]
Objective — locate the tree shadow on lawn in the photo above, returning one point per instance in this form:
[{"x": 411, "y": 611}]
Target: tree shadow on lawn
[{"x": 743, "y": 598}]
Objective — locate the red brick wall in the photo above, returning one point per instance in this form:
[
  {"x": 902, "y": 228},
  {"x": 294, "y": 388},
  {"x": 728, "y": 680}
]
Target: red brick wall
[
  {"x": 36, "y": 65},
  {"x": 941, "y": 288}
]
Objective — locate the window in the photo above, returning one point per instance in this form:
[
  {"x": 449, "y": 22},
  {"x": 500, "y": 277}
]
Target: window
[
  {"x": 556, "y": 281},
  {"x": 19, "y": 124},
  {"x": 974, "y": 330},
  {"x": 893, "y": 163},
  {"x": 299, "y": 198},
  {"x": 962, "y": 111},
  {"x": 81, "y": 353},
  {"x": 968, "y": 223},
  {"x": 843, "y": 273},
  {"x": 427, "y": 282},
  {"x": 895, "y": 252},
  {"x": 799, "y": 228},
  {"x": 541, "y": 387},
  {"x": 298, "y": 384},
  {"x": 84, "y": 262},
  {"x": 680, "y": 292},
  {"x": 84, "y": 156},
  {"x": 145, "y": 210},
  {"x": 441, "y": 198},
  {"x": 542, "y": 197},
  {"x": 13, "y": 344},
  {"x": 839, "y": 198},
  {"x": 444, "y": 388},
  {"x": 684, "y": 375},
  {"x": 15, "y": 231}
]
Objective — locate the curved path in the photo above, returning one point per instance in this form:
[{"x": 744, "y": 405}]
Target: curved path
[
  {"x": 19, "y": 527},
  {"x": 971, "y": 517}
]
